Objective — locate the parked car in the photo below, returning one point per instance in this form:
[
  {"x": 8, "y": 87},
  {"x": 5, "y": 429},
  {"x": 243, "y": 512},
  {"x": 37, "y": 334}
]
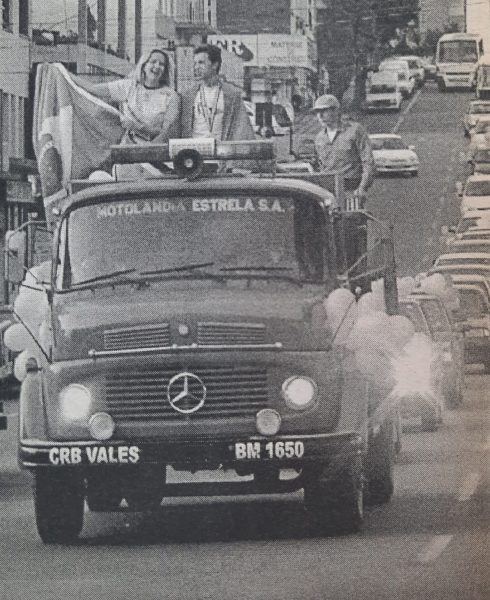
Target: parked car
[
  {"x": 479, "y": 161},
  {"x": 473, "y": 233},
  {"x": 392, "y": 155},
  {"x": 474, "y": 263},
  {"x": 416, "y": 68},
  {"x": 474, "y": 315},
  {"x": 468, "y": 245},
  {"x": 473, "y": 219},
  {"x": 480, "y": 134},
  {"x": 475, "y": 110},
  {"x": 405, "y": 80},
  {"x": 429, "y": 67},
  {"x": 448, "y": 336},
  {"x": 476, "y": 193},
  {"x": 429, "y": 406},
  {"x": 383, "y": 92}
]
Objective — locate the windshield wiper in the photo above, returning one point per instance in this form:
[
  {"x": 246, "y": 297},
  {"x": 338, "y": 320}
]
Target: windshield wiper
[
  {"x": 178, "y": 269},
  {"x": 103, "y": 277}
]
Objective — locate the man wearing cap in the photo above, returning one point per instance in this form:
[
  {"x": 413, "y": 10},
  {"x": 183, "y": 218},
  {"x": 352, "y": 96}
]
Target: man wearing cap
[{"x": 343, "y": 146}]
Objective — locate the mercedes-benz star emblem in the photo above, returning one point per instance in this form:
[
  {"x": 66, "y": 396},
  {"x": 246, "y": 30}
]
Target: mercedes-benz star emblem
[{"x": 181, "y": 398}]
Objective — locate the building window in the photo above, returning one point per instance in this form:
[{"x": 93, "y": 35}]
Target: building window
[
  {"x": 24, "y": 17},
  {"x": 7, "y": 15}
]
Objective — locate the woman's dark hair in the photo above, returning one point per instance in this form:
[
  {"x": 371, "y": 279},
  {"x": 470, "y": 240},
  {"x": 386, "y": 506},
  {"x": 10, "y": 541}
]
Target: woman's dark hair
[
  {"x": 165, "y": 78},
  {"x": 213, "y": 52}
]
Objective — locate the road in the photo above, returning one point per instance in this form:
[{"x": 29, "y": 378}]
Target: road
[{"x": 430, "y": 542}]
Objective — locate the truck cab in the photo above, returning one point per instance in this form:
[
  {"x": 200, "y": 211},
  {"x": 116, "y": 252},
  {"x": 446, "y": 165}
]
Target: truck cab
[{"x": 185, "y": 331}]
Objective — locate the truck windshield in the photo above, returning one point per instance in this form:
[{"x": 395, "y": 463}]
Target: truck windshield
[
  {"x": 194, "y": 237},
  {"x": 458, "y": 51}
]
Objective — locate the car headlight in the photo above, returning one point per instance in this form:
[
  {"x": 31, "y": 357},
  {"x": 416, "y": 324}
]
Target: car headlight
[
  {"x": 299, "y": 392},
  {"x": 75, "y": 402}
]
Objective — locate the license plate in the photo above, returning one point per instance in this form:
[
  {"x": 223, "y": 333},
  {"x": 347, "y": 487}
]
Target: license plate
[{"x": 269, "y": 450}]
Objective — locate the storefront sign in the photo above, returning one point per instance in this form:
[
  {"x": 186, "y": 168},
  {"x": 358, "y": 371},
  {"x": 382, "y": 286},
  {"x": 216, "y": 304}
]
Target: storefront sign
[{"x": 267, "y": 49}]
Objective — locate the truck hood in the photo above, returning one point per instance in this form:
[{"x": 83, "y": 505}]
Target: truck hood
[{"x": 126, "y": 318}]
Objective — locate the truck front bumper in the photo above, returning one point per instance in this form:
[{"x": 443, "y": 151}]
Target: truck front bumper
[{"x": 287, "y": 451}]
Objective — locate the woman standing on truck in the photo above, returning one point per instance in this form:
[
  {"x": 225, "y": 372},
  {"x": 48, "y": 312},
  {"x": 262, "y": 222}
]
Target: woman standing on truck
[{"x": 148, "y": 105}]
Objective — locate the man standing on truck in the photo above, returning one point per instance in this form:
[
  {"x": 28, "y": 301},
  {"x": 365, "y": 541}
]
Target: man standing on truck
[
  {"x": 211, "y": 107},
  {"x": 343, "y": 146}
]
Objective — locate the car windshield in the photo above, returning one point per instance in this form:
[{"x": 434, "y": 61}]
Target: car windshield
[
  {"x": 458, "y": 51},
  {"x": 382, "y": 89},
  {"x": 388, "y": 144},
  {"x": 436, "y": 316},
  {"x": 192, "y": 237},
  {"x": 479, "y": 109},
  {"x": 413, "y": 313},
  {"x": 472, "y": 303},
  {"x": 477, "y": 188}
]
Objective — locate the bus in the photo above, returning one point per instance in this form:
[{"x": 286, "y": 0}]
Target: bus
[{"x": 457, "y": 57}]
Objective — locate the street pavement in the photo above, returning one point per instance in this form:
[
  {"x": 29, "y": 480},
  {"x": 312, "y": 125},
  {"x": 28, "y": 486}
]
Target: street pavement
[{"x": 430, "y": 542}]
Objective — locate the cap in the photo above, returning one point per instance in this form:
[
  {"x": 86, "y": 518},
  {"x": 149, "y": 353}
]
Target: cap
[{"x": 326, "y": 101}]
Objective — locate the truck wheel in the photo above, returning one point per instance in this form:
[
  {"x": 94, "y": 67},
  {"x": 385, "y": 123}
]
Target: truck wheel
[
  {"x": 336, "y": 505},
  {"x": 381, "y": 465},
  {"x": 58, "y": 504}
]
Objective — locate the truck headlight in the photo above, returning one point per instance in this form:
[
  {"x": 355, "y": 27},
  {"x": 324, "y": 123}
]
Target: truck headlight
[
  {"x": 299, "y": 392},
  {"x": 75, "y": 402}
]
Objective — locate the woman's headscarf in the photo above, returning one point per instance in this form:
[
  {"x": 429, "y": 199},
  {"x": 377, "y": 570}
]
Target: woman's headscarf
[{"x": 138, "y": 73}]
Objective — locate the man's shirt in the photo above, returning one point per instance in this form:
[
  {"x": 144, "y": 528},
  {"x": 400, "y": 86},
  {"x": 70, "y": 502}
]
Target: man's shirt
[
  {"x": 350, "y": 151},
  {"x": 208, "y": 112}
]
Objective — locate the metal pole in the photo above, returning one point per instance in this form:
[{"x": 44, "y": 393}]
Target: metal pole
[{"x": 390, "y": 283}]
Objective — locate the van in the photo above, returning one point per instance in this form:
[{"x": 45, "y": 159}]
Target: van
[{"x": 383, "y": 92}]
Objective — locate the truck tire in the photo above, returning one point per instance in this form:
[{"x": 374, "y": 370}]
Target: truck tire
[
  {"x": 336, "y": 505},
  {"x": 381, "y": 465},
  {"x": 58, "y": 504}
]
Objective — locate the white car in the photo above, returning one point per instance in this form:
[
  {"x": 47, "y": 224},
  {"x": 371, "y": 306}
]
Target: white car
[
  {"x": 480, "y": 134},
  {"x": 468, "y": 245},
  {"x": 416, "y": 67},
  {"x": 477, "y": 109},
  {"x": 476, "y": 193},
  {"x": 476, "y": 263},
  {"x": 406, "y": 82},
  {"x": 472, "y": 220},
  {"x": 392, "y": 155},
  {"x": 383, "y": 92}
]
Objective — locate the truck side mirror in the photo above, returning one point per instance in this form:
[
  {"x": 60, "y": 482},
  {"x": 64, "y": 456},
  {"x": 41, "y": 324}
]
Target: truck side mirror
[{"x": 15, "y": 248}]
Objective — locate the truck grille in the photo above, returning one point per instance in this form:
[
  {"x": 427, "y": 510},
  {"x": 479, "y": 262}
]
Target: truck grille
[
  {"x": 137, "y": 395},
  {"x": 230, "y": 333},
  {"x": 146, "y": 336}
]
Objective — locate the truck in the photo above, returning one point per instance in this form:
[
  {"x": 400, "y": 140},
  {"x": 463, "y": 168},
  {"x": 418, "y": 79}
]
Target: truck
[
  {"x": 185, "y": 331},
  {"x": 457, "y": 56},
  {"x": 383, "y": 92}
]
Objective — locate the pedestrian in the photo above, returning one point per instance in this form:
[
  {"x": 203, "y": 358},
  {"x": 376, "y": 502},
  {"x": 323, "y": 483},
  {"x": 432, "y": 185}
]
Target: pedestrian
[
  {"x": 149, "y": 106},
  {"x": 212, "y": 107},
  {"x": 343, "y": 146}
]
